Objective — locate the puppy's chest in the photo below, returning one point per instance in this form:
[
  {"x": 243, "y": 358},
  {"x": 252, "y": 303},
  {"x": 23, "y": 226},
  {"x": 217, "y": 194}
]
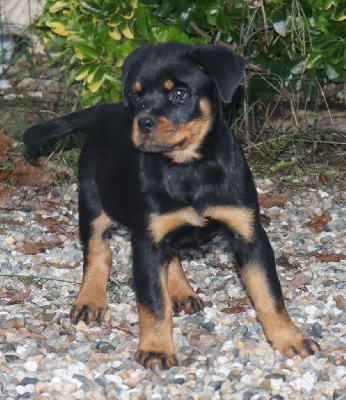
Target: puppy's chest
[{"x": 237, "y": 219}]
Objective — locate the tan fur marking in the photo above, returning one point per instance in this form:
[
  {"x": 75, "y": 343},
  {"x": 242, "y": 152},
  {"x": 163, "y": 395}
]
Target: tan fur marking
[
  {"x": 95, "y": 279},
  {"x": 238, "y": 219},
  {"x": 279, "y": 329},
  {"x": 156, "y": 335},
  {"x": 161, "y": 225},
  {"x": 138, "y": 87},
  {"x": 169, "y": 84},
  {"x": 178, "y": 285},
  {"x": 181, "y": 144},
  {"x": 193, "y": 133},
  {"x": 182, "y": 295}
]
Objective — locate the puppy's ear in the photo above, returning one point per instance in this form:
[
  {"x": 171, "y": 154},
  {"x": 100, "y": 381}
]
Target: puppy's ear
[
  {"x": 223, "y": 65},
  {"x": 132, "y": 64}
]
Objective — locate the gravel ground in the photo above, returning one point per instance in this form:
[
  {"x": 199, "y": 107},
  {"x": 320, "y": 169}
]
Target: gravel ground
[{"x": 222, "y": 351}]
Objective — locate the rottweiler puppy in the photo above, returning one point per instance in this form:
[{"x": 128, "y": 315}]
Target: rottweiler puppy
[{"x": 165, "y": 164}]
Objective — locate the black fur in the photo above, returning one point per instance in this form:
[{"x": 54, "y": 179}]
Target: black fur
[{"x": 130, "y": 183}]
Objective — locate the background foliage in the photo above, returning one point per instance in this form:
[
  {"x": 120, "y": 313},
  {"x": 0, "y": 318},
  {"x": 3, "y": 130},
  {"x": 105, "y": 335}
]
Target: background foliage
[{"x": 293, "y": 44}]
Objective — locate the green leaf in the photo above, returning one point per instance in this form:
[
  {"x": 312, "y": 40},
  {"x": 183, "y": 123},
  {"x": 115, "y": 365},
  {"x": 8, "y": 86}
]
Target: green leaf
[
  {"x": 340, "y": 11},
  {"x": 221, "y": 22},
  {"x": 158, "y": 34},
  {"x": 264, "y": 87},
  {"x": 82, "y": 72},
  {"x": 332, "y": 72},
  {"x": 143, "y": 21},
  {"x": 97, "y": 82},
  {"x": 58, "y": 6},
  {"x": 85, "y": 52},
  {"x": 58, "y": 26},
  {"x": 313, "y": 59},
  {"x": 164, "y": 10},
  {"x": 298, "y": 67}
]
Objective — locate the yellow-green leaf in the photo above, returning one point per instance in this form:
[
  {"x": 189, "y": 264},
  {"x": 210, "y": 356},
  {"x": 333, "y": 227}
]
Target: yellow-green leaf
[
  {"x": 84, "y": 51},
  {"x": 82, "y": 72},
  {"x": 129, "y": 16},
  {"x": 91, "y": 74},
  {"x": 119, "y": 63},
  {"x": 97, "y": 82},
  {"x": 127, "y": 32},
  {"x": 115, "y": 34},
  {"x": 58, "y": 27},
  {"x": 58, "y": 6}
]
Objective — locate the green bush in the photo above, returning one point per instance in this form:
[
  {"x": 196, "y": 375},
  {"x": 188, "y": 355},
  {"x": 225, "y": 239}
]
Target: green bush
[
  {"x": 93, "y": 37},
  {"x": 296, "y": 44}
]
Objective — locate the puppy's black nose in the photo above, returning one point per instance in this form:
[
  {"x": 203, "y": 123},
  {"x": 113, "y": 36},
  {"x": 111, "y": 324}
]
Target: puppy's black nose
[{"x": 146, "y": 124}]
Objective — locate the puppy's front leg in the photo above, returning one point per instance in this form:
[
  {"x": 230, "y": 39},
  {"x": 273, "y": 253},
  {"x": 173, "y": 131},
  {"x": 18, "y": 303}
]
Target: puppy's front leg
[
  {"x": 257, "y": 267},
  {"x": 91, "y": 303},
  {"x": 150, "y": 277}
]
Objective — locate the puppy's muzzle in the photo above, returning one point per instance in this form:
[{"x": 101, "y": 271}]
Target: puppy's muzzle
[{"x": 147, "y": 124}]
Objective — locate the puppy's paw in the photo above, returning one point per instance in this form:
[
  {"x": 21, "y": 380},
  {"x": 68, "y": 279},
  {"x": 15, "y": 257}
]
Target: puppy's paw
[
  {"x": 148, "y": 359},
  {"x": 293, "y": 342},
  {"x": 190, "y": 305},
  {"x": 87, "y": 313}
]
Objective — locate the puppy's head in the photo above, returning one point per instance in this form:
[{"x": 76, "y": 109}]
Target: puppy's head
[{"x": 174, "y": 91}]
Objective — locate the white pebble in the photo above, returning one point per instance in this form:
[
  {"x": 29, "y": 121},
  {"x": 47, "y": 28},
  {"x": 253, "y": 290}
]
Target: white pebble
[
  {"x": 323, "y": 194},
  {"x": 340, "y": 371},
  {"x": 311, "y": 310},
  {"x": 10, "y": 240},
  {"x": 31, "y": 366}
]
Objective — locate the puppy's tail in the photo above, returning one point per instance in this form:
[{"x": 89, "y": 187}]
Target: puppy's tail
[{"x": 79, "y": 121}]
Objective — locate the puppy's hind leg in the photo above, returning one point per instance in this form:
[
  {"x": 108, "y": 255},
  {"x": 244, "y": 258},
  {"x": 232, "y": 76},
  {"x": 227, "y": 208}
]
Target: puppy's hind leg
[
  {"x": 182, "y": 295},
  {"x": 257, "y": 267},
  {"x": 91, "y": 303}
]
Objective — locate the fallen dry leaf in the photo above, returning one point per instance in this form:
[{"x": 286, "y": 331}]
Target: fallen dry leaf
[
  {"x": 23, "y": 173},
  {"x": 284, "y": 262},
  {"x": 266, "y": 220},
  {"x": 3, "y": 174},
  {"x": 16, "y": 296},
  {"x": 272, "y": 199},
  {"x": 234, "y": 310},
  {"x": 340, "y": 303},
  {"x": 35, "y": 248},
  {"x": 327, "y": 257},
  {"x": 298, "y": 281},
  {"x": 5, "y": 141},
  {"x": 322, "y": 178},
  {"x": 236, "y": 305},
  {"x": 318, "y": 222},
  {"x": 332, "y": 350}
]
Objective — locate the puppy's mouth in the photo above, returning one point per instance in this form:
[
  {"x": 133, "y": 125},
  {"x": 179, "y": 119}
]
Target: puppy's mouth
[
  {"x": 158, "y": 135},
  {"x": 153, "y": 146}
]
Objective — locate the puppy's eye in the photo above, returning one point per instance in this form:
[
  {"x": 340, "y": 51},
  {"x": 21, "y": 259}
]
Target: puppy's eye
[
  {"x": 179, "y": 94},
  {"x": 135, "y": 97}
]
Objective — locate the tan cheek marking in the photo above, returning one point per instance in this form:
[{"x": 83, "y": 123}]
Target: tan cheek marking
[
  {"x": 169, "y": 84},
  {"x": 238, "y": 219},
  {"x": 161, "y": 225},
  {"x": 95, "y": 279},
  {"x": 138, "y": 87},
  {"x": 136, "y": 136},
  {"x": 193, "y": 134}
]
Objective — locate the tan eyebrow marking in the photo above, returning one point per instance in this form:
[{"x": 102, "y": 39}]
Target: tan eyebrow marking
[
  {"x": 169, "y": 84},
  {"x": 138, "y": 87}
]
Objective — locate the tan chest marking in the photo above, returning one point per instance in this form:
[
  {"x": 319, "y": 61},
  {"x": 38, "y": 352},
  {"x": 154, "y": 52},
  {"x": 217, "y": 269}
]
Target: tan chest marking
[{"x": 237, "y": 219}]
